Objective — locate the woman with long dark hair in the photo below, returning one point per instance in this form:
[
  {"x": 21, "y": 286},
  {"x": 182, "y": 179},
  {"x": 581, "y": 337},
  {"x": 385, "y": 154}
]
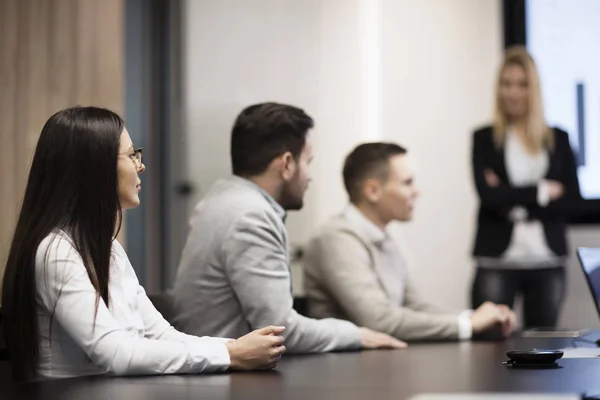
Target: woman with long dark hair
[{"x": 71, "y": 301}]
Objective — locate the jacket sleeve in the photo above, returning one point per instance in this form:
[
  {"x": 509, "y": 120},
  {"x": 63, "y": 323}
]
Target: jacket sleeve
[
  {"x": 65, "y": 289},
  {"x": 571, "y": 198},
  {"x": 502, "y": 197},
  {"x": 258, "y": 268},
  {"x": 345, "y": 268}
]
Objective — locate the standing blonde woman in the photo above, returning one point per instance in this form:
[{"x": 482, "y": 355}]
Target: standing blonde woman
[{"x": 526, "y": 179}]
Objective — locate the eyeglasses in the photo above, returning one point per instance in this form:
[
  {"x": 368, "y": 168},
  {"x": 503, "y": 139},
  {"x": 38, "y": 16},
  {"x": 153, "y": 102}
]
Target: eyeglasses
[{"x": 136, "y": 157}]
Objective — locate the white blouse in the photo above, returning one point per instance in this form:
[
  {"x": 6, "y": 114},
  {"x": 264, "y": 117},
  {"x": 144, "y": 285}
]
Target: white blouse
[
  {"x": 528, "y": 242},
  {"x": 128, "y": 337}
]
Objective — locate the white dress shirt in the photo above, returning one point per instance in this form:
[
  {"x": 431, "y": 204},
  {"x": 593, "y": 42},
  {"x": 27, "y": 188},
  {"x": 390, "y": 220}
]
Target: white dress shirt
[{"x": 82, "y": 336}]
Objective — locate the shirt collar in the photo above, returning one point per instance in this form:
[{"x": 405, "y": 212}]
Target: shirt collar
[
  {"x": 248, "y": 183},
  {"x": 365, "y": 226}
]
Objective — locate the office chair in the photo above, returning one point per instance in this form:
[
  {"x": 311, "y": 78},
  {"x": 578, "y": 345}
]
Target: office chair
[
  {"x": 164, "y": 303},
  {"x": 3, "y": 350}
]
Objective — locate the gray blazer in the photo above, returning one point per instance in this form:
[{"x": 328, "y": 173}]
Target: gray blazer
[
  {"x": 234, "y": 273},
  {"x": 340, "y": 281}
]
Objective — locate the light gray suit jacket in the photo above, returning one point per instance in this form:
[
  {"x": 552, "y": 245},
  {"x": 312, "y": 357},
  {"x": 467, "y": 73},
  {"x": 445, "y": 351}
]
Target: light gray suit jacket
[
  {"x": 340, "y": 281},
  {"x": 234, "y": 273}
]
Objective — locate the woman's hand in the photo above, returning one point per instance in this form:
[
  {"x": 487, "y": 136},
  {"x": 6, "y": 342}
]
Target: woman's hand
[
  {"x": 260, "y": 349},
  {"x": 491, "y": 178}
]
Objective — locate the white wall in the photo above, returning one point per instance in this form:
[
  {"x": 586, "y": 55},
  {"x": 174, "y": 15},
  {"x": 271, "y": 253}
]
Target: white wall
[
  {"x": 304, "y": 53},
  {"x": 237, "y": 53},
  {"x": 417, "y": 72},
  {"x": 440, "y": 62}
]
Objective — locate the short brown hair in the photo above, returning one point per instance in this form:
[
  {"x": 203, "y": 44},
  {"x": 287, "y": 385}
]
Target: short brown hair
[
  {"x": 263, "y": 132},
  {"x": 368, "y": 160}
]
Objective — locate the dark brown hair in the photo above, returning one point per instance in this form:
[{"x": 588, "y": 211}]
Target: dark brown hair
[
  {"x": 72, "y": 186},
  {"x": 263, "y": 132},
  {"x": 368, "y": 160}
]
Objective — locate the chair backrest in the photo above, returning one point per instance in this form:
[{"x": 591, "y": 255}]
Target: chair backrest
[
  {"x": 301, "y": 305},
  {"x": 3, "y": 350},
  {"x": 164, "y": 303},
  {"x": 5, "y": 366}
]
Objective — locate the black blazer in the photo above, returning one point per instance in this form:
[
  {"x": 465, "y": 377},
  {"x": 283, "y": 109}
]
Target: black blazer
[{"x": 494, "y": 229}]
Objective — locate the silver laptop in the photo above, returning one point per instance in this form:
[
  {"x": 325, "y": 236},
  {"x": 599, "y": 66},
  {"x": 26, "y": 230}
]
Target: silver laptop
[
  {"x": 496, "y": 396},
  {"x": 589, "y": 258}
]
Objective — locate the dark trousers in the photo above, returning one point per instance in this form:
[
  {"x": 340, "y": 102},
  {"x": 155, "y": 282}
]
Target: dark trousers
[{"x": 543, "y": 291}]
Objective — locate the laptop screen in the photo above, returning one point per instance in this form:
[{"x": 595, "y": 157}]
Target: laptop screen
[{"x": 589, "y": 258}]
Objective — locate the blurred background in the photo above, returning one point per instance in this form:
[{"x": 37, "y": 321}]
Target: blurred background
[{"x": 420, "y": 73}]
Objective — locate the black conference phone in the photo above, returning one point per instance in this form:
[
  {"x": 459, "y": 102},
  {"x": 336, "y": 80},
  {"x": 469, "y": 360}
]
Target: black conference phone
[{"x": 535, "y": 358}]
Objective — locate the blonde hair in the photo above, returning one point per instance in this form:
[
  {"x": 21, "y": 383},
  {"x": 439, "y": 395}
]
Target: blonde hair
[{"x": 538, "y": 134}]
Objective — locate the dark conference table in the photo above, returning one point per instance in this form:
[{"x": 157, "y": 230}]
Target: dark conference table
[{"x": 422, "y": 368}]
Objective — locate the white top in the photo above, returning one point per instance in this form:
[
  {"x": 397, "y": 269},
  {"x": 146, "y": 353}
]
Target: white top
[
  {"x": 528, "y": 247},
  {"x": 128, "y": 337},
  {"x": 391, "y": 270}
]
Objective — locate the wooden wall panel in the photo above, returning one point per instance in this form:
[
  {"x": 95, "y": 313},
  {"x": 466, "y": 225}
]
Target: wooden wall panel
[
  {"x": 85, "y": 48},
  {"x": 110, "y": 76},
  {"x": 32, "y": 72},
  {"x": 53, "y": 54},
  {"x": 8, "y": 108},
  {"x": 62, "y": 57}
]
